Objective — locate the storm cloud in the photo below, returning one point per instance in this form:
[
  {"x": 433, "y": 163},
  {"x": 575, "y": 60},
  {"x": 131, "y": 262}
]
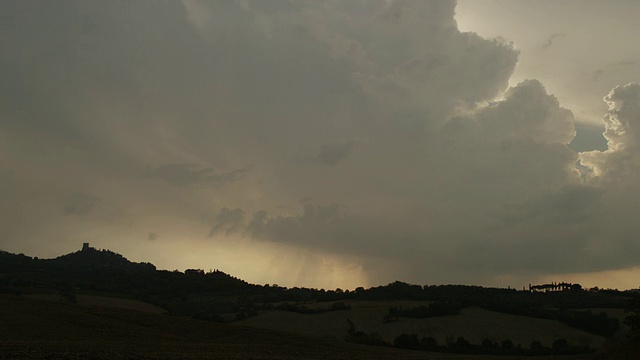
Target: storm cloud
[{"x": 208, "y": 121}]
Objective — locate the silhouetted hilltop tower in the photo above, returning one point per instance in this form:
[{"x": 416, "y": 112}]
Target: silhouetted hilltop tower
[{"x": 85, "y": 247}]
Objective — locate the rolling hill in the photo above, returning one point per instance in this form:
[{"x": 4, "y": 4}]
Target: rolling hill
[
  {"x": 97, "y": 304},
  {"x": 473, "y": 323},
  {"x": 40, "y": 329}
]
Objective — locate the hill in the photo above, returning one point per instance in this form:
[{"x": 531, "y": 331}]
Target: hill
[
  {"x": 473, "y": 323},
  {"x": 475, "y": 318},
  {"x": 92, "y": 271},
  {"x": 37, "y": 329}
]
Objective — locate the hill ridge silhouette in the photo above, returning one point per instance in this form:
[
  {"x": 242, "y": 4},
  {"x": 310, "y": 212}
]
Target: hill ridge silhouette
[{"x": 219, "y": 296}]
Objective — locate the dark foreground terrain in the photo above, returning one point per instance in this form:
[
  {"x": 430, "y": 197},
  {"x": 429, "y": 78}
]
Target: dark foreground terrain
[
  {"x": 39, "y": 329},
  {"x": 96, "y": 304}
]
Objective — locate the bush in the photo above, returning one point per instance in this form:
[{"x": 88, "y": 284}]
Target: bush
[
  {"x": 340, "y": 306},
  {"x": 461, "y": 345},
  {"x": 406, "y": 341},
  {"x": 560, "y": 345},
  {"x": 438, "y": 308},
  {"x": 506, "y": 344},
  {"x": 536, "y": 346},
  {"x": 429, "y": 344},
  {"x": 488, "y": 345},
  {"x": 360, "y": 337}
]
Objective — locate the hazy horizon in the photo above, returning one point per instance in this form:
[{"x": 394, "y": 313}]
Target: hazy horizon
[
  {"x": 592, "y": 283},
  {"x": 327, "y": 143}
]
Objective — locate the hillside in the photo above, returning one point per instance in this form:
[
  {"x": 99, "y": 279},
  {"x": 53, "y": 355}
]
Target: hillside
[
  {"x": 92, "y": 271},
  {"x": 474, "y": 324},
  {"x": 37, "y": 329},
  {"x": 456, "y": 318}
]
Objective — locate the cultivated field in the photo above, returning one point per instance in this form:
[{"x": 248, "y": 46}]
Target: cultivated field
[
  {"x": 474, "y": 324},
  {"x": 37, "y": 329},
  {"x": 104, "y": 301}
]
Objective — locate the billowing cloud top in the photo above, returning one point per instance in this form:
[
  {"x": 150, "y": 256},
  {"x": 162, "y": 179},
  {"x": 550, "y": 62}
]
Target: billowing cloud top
[{"x": 372, "y": 139}]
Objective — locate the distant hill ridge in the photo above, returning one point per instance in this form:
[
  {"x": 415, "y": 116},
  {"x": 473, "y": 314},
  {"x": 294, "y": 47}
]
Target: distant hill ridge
[
  {"x": 91, "y": 258},
  {"x": 86, "y": 259},
  {"x": 218, "y": 296},
  {"x": 103, "y": 271}
]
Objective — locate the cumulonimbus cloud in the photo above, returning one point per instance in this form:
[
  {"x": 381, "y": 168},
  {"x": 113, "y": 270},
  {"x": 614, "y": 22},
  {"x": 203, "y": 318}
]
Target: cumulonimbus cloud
[{"x": 434, "y": 164}]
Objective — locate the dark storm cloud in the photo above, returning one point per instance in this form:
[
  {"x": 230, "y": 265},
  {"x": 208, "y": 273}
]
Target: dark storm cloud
[
  {"x": 228, "y": 221},
  {"x": 81, "y": 204},
  {"x": 317, "y": 225},
  {"x": 330, "y": 228},
  {"x": 551, "y": 40},
  {"x": 487, "y": 159},
  {"x": 331, "y": 154},
  {"x": 571, "y": 205},
  {"x": 149, "y": 110},
  {"x": 84, "y": 75},
  {"x": 190, "y": 174}
]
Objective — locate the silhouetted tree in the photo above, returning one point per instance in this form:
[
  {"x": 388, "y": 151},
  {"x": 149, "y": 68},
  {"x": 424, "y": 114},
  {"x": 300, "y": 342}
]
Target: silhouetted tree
[
  {"x": 560, "y": 345},
  {"x": 429, "y": 343},
  {"x": 536, "y": 345},
  {"x": 340, "y": 306},
  {"x": 488, "y": 345},
  {"x": 461, "y": 345},
  {"x": 392, "y": 314},
  {"x": 633, "y": 320},
  {"x": 506, "y": 344},
  {"x": 406, "y": 341}
]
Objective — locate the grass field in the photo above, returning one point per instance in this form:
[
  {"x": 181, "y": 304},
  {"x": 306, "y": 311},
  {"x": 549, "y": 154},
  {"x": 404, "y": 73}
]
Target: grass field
[
  {"x": 38, "y": 329},
  {"x": 103, "y": 301},
  {"x": 474, "y": 324}
]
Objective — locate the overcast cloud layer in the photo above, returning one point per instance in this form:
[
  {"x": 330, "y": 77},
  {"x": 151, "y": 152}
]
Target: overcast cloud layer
[{"x": 310, "y": 143}]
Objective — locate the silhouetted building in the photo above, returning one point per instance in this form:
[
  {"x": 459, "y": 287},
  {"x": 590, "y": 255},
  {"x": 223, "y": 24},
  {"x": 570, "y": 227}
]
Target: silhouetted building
[
  {"x": 85, "y": 246},
  {"x": 194, "y": 272}
]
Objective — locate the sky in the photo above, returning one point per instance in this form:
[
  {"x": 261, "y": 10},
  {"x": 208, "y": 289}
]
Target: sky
[{"x": 327, "y": 143}]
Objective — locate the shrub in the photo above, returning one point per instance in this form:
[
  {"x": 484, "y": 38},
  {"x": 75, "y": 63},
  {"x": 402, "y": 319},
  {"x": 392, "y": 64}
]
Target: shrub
[
  {"x": 406, "y": 341},
  {"x": 506, "y": 344},
  {"x": 429, "y": 344}
]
